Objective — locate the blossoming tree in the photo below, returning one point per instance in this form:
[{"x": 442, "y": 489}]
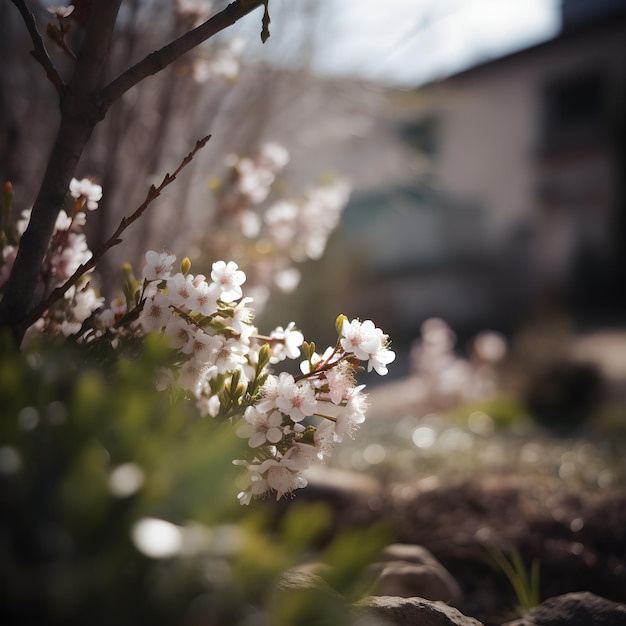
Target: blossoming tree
[{"x": 218, "y": 359}]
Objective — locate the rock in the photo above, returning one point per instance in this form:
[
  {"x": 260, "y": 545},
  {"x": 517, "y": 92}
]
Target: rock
[
  {"x": 300, "y": 596},
  {"x": 300, "y": 579},
  {"x": 408, "y": 552},
  {"x": 409, "y": 571},
  {"x": 575, "y": 609},
  {"x": 392, "y": 611}
]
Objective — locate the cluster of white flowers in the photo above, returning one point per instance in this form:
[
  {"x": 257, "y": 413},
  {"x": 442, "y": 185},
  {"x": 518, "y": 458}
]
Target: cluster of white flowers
[
  {"x": 68, "y": 250},
  {"x": 256, "y": 174},
  {"x": 273, "y": 229},
  {"x": 193, "y": 11},
  {"x": 301, "y": 227},
  {"x": 221, "y": 61},
  {"x": 444, "y": 379},
  {"x": 226, "y": 364},
  {"x": 219, "y": 358}
]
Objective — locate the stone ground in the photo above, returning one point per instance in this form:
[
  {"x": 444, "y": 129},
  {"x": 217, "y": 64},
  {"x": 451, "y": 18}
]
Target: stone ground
[{"x": 463, "y": 490}]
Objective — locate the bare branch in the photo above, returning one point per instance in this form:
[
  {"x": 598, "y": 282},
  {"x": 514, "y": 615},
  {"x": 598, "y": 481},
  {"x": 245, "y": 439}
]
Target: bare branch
[
  {"x": 114, "y": 239},
  {"x": 80, "y": 112},
  {"x": 40, "y": 53},
  {"x": 160, "y": 59}
]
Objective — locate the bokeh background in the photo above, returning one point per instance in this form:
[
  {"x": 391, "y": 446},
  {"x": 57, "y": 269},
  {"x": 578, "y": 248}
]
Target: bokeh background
[
  {"x": 460, "y": 164},
  {"x": 483, "y": 143}
]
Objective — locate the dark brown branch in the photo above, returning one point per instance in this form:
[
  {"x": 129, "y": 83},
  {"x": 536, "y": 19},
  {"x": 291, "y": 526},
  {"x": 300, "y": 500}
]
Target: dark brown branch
[
  {"x": 80, "y": 112},
  {"x": 160, "y": 59},
  {"x": 114, "y": 239},
  {"x": 40, "y": 53}
]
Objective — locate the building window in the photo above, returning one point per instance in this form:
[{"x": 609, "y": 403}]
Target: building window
[{"x": 574, "y": 111}]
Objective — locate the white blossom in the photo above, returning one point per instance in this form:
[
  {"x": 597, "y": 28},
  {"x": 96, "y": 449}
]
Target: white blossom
[
  {"x": 156, "y": 313},
  {"x": 229, "y": 278},
  {"x": 61, "y": 11},
  {"x": 261, "y": 427},
  {"x": 296, "y": 400},
  {"x": 285, "y": 343},
  {"x": 158, "y": 265},
  {"x": 88, "y": 190}
]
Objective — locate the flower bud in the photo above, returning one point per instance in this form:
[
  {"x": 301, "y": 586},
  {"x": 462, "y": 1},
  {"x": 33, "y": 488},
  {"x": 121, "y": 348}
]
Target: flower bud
[
  {"x": 339, "y": 324},
  {"x": 185, "y": 266}
]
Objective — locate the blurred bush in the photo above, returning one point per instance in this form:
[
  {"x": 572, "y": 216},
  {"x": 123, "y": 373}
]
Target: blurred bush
[{"x": 117, "y": 503}]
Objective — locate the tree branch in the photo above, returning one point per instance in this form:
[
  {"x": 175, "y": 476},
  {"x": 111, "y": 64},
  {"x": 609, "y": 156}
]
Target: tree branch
[
  {"x": 40, "y": 53},
  {"x": 80, "y": 112},
  {"x": 114, "y": 239},
  {"x": 160, "y": 59}
]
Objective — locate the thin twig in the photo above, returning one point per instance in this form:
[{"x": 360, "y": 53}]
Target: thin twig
[
  {"x": 114, "y": 239},
  {"x": 40, "y": 53}
]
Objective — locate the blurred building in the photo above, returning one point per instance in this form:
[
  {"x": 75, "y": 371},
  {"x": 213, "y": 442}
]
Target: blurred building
[{"x": 523, "y": 201}]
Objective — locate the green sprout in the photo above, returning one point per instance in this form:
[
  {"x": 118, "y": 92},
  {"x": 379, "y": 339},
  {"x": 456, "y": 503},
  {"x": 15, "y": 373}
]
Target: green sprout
[{"x": 524, "y": 583}]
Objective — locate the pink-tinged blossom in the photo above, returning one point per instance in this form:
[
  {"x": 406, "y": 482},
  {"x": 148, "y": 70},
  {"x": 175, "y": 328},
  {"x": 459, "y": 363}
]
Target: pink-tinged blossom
[
  {"x": 258, "y": 485},
  {"x": 351, "y": 415},
  {"x": 283, "y": 480},
  {"x": 380, "y": 359},
  {"x": 191, "y": 375},
  {"x": 84, "y": 302},
  {"x": 181, "y": 290},
  {"x": 110, "y": 316},
  {"x": 156, "y": 313},
  {"x": 63, "y": 221},
  {"x": 229, "y": 278},
  {"x": 158, "y": 265},
  {"x": 87, "y": 189},
  {"x": 361, "y": 338},
  {"x": 204, "y": 298},
  {"x": 180, "y": 333},
  {"x": 241, "y": 321},
  {"x": 261, "y": 427},
  {"x": 60, "y": 11},
  {"x": 285, "y": 343},
  {"x": 329, "y": 356},
  {"x": 324, "y": 438},
  {"x": 297, "y": 400},
  {"x": 300, "y": 456},
  {"x": 230, "y": 355},
  {"x": 340, "y": 382},
  {"x": 275, "y": 476},
  {"x": 202, "y": 345},
  {"x": 269, "y": 394},
  {"x": 74, "y": 253}
]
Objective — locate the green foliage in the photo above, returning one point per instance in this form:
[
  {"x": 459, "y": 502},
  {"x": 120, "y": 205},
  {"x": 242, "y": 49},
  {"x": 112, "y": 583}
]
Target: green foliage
[
  {"x": 66, "y": 531},
  {"x": 525, "y": 583},
  {"x": 74, "y": 422}
]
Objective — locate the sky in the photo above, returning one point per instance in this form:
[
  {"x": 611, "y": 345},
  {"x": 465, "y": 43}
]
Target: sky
[{"x": 406, "y": 42}]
